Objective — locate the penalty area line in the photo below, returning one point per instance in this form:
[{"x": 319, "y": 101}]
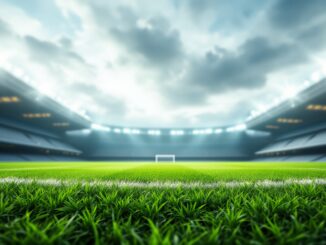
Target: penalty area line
[{"x": 163, "y": 184}]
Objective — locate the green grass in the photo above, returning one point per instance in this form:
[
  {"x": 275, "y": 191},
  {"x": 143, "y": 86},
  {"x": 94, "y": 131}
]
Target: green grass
[
  {"x": 32, "y": 214},
  {"x": 147, "y": 171},
  {"x": 84, "y": 214}
]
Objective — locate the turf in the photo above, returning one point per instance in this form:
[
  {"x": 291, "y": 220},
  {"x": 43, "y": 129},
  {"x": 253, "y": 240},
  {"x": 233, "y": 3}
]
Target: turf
[
  {"x": 147, "y": 171},
  {"x": 32, "y": 213}
]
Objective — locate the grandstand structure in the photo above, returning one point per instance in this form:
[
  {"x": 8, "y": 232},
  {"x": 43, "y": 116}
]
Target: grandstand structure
[{"x": 35, "y": 127}]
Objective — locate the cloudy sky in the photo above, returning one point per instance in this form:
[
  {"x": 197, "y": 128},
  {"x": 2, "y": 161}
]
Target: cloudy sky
[{"x": 165, "y": 62}]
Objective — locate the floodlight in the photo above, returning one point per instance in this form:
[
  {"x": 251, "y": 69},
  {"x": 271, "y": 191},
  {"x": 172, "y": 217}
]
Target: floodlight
[
  {"x": 126, "y": 130},
  {"x": 177, "y": 132},
  {"x": 17, "y": 72},
  {"x": 117, "y": 130},
  {"x": 99, "y": 127},
  {"x": 86, "y": 131},
  {"x": 36, "y": 115},
  {"x": 181, "y": 132},
  {"x": 200, "y": 131},
  {"x": 290, "y": 91},
  {"x": 239, "y": 127},
  {"x": 218, "y": 131},
  {"x": 154, "y": 132},
  {"x": 135, "y": 131},
  {"x": 9, "y": 99},
  {"x": 208, "y": 131},
  {"x": 307, "y": 83},
  {"x": 96, "y": 126},
  {"x": 195, "y": 132},
  {"x": 315, "y": 77}
]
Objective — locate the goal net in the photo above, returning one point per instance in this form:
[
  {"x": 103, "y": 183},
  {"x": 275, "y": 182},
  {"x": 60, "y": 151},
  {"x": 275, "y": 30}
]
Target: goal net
[{"x": 164, "y": 158}]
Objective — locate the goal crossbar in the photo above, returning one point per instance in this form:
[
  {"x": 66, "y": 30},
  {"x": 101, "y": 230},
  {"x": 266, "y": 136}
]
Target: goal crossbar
[{"x": 164, "y": 156}]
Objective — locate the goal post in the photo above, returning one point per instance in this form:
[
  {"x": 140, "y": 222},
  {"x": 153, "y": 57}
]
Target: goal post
[{"x": 164, "y": 158}]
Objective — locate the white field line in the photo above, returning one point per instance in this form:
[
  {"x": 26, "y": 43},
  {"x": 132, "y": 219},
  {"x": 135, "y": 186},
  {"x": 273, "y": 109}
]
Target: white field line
[
  {"x": 35, "y": 168},
  {"x": 164, "y": 184}
]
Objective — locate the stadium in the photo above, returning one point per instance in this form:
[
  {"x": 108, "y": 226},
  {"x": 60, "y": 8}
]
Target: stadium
[
  {"x": 37, "y": 128},
  {"x": 134, "y": 133}
]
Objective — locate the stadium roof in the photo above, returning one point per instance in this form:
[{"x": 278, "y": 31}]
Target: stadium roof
[
  {"x": 21, "y": 103},
  {"x": 305, "y": 109}
]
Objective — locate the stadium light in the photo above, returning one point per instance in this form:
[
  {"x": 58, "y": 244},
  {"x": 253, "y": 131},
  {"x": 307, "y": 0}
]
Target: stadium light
[
  {"x": 177, "y": 132},
  {"x": 241, "y": 127},
  {"x": 202, "y": 131},
  {"x": 99, "y": 127},
  {"x": 290, "y": 91},
  {"x": 237, "y": 128},
  {"x": 218, "y": 131},
  {"x": 230, "y": 129},
  {"x": 117, "y": 130},
  {"x": 126, "y": 130},
  {"x": 83, "y": 131},
  {"x": 208, "y": 131},
  {"x": 195, "y": 131},
  {"x": 130, "y": 131},
  {"x": 154, "y": 132},
  {"x": 307, "y": 83},
  {"x": 316, "y": 76},
  {"x": 135, "y": 131}
]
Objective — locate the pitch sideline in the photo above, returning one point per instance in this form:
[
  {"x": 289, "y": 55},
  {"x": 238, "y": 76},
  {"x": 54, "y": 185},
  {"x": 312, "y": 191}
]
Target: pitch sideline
[{"x": 164, "y": 184}]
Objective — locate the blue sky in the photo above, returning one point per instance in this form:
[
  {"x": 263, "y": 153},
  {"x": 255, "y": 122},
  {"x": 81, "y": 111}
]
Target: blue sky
[{"x": 184, "y": 63}]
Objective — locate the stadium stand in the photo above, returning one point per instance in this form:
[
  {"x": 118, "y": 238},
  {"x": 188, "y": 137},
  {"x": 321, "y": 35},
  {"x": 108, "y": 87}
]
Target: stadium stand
[
  {"x": 322, "y": 159},
  {"x": 11, "y": 158},
  {"x": 28, "y": 124},
  {"x": 299, "y": 128},
  {"x": 20, "y": 138},
  {"x": 99, "y": 145},
  {"x": 308, "y": 147},
  {"x": 35, "y": 127},
  {"x": 13, "y": 137}
]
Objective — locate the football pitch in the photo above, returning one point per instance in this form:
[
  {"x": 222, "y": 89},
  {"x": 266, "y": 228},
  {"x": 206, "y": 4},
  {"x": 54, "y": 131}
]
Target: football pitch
[
  {"x": 150, "y": 171},
  {"x": 162, "y": 203}
]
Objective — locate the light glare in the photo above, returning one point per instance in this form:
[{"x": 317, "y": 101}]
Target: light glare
[
  {"x": 117, "y": 130},
  {"x": 154, "y": 132},
  {"x": 99, "y": 127},
  {"x": 177, "y": 132}
]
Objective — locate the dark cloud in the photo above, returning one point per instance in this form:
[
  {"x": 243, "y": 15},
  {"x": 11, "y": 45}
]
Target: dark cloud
[
  {"x": 175, "y": 96},
  {"x": 314, "y": 37},
  {"x": 221, "y": 71},
  {"x": 4, "y": 28},
  {"x": 47, "y": 52},
  {"x": 158, "y": 45},
  {"x": 303, "y": 21},
  {"x": 223, "y": 15},
  {"x": 107, "y": 15},
  {"x": 199, "y": 7},
  {"x": 239, "y": 8},
  {"x": 296, "y": 14},
  {"x": 66, "y": 43}
]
